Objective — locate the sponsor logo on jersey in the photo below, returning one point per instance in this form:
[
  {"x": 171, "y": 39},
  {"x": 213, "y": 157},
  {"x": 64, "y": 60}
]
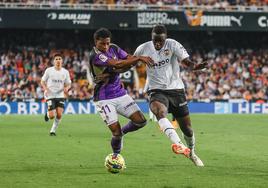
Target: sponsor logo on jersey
[
  {"x": 166, "y": 52},
  {"x": 199, "y": 19},
  {"x": 161, "y": 63},
  {"x": 57, "y": 81},
  {"x": 103, "y": 57}
]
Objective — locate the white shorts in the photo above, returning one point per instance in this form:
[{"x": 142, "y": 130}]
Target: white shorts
[{"x": 110, "y": 108}]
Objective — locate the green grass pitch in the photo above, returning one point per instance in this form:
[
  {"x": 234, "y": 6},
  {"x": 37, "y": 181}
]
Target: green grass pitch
[{"x": 234, "y": 149}]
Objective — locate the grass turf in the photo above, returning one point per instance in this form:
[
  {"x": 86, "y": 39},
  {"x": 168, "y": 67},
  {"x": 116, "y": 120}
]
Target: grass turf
[{"x": 234, "y": 149}]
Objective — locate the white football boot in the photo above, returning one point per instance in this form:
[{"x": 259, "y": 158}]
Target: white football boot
[{"x": 195, "y": 159}]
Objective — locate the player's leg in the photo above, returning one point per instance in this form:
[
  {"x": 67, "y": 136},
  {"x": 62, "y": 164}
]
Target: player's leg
[
  {"x": 174, "y": 122},
  {"x": 128, "y": 107},
  {"x": 159, "y": 106},
  {"x": 57, "y": 120},
  {"x": 108, "y": 113},
  {"x": 152, "y": 117},
  {"x": 59, "y": 104},
  {"x": 137, "y": 121},
  {"x": 180, "y": 111},
  {"x": 186, "y": 128},
  {"x": 50, "y": 114},
  {"x": 188, "y": 134},
  {"x": 116, "y": 141}
]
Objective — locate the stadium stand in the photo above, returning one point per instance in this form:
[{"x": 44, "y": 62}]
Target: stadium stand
[
  {"x": 235, "y": 5},
  {"x": 238, "y": 69},
  {"x": 238, "y": 64}
]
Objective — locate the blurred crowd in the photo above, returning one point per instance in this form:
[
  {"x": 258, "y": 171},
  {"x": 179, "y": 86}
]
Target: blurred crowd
[
  {"x": 21, "y": 72},
  {"x": 212, "y": 3},
  {"x": 234, "y": 74},
  {"x": 238, "y": 64}
]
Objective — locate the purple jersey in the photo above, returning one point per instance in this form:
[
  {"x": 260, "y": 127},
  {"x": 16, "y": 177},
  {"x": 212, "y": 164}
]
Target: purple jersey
[{"x": 113, "y": 88}]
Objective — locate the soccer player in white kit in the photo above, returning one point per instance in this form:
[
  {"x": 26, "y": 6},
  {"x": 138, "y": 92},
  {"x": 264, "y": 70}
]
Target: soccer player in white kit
[
  {"x": 56, "y": 82},
  {"x": 166, "y": 89}
]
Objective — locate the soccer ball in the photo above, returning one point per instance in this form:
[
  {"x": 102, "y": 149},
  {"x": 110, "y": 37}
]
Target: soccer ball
[{"x": 114, "y": 163}]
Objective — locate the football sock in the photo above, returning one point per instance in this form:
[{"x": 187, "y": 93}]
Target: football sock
[
  {"x": 131, "y": 126},
  {"x": 152, "y": 116},
  {"x": 190, "y": 141},
  {"x": 55, "y": 125},
  {"x": 116, "y": 144},
  {"x": 168, "y": 129}
]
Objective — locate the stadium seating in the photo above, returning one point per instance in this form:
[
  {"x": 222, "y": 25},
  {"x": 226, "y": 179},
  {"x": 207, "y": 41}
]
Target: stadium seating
[{"x": 234, "y": 72}]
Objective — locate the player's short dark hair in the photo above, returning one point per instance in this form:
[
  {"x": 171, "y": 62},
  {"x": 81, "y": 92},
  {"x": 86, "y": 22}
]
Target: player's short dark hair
[
  {"x": 56, "y": 55},
  {"x": 102, "y": 33},
  {"x": 159, "y": 29}
]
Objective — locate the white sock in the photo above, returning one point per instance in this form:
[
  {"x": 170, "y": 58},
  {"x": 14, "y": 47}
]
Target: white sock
[
  {"x": 55, "y": 125},
  {"x": 168, "y": 129},
  {"x": 152, "y": 116},
  {"x": 190, "y": 141}
]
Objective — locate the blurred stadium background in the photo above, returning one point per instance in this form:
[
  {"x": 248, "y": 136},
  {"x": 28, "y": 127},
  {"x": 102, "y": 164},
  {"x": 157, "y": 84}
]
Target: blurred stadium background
[{"x": 231, "y": 34}]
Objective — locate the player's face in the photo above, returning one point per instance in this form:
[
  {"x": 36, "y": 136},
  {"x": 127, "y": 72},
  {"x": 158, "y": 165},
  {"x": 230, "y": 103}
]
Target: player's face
[
  {"x": 58, "y": 61},
  {"x": 103, "y": 44},
  {"x": 158, "y": 40}
]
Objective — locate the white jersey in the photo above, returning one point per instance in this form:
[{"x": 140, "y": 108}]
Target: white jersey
[
  {"x": 165, "y": 74},
  {"x": 55, "y": 81}
]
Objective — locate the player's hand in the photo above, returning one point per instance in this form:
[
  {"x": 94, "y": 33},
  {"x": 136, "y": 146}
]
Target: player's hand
[
  {"x": 65, "y": 90},
  {"x": 200, "y": 66},
  {"x": 147, "y": 60},
  {"x": 46, "y": 92}
]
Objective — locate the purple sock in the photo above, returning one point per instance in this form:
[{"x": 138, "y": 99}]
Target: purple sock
[
  {"x": 130, "y": 127},
  {"x": 116, "y": 144}
]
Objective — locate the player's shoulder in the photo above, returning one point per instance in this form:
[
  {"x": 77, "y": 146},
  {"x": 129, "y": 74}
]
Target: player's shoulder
[
  {"x": 171, "y": 41},
  {"x": 95, "y": 53},
  {"x": 49, "y": 69},
  {"x": 173, "y": 44},
  {"x": 114, "y": 46},
  {"x": 64, "y": 70},
  {"x": 145, "y": 46}
]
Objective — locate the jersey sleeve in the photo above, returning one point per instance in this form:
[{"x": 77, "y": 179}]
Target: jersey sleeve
[
  {"x": 67, "y": 79},
  {"x": 45, "y": 76},
  {"x": 180, "y": 51},
  {"x": 121, "y": 53},
  {"x": 138, "y": 51}
]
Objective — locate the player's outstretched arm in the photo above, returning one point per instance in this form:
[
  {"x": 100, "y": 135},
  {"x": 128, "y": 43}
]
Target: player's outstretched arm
[
  {"x": 194, "y": 66},
  {"x": 130, "y": 62}
]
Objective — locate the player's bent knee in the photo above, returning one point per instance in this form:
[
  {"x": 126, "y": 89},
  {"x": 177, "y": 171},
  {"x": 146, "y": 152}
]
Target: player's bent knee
[
  {"x": 117, "y": 133},
  {"x": 161, "y": 114},
  {"x": 59, "y": 116},
  {"x": 117, "y": 136}
]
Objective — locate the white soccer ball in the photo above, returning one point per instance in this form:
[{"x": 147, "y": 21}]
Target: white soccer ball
[{"x": 114, "y": 163}]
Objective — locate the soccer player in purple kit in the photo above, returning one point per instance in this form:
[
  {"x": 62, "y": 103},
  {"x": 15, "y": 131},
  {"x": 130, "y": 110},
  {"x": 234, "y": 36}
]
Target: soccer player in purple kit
[{"x": 107, "y": 60}]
